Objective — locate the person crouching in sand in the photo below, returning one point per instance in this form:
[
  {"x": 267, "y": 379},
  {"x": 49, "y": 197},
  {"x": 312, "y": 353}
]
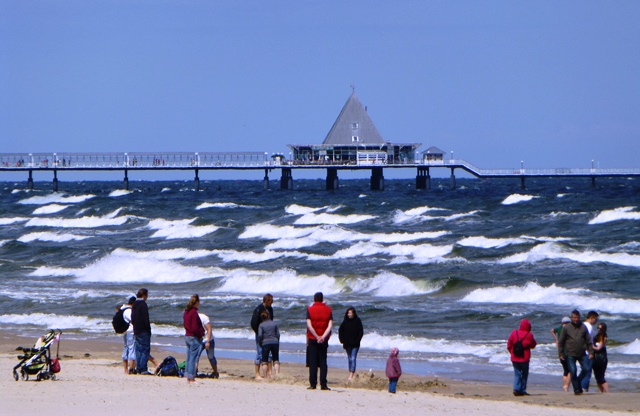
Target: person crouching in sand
[{"x": 393, "y": 369}]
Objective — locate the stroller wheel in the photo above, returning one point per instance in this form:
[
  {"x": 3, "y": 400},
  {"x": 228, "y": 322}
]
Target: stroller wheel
[
  {"x": 15, "y": 375},
  {"x": 24, "y": 375},
  {"x": 38, "y": 377}
]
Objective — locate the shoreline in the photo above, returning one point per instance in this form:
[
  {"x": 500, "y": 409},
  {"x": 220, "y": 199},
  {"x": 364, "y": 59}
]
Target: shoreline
[{"x": 94, "y": 368}]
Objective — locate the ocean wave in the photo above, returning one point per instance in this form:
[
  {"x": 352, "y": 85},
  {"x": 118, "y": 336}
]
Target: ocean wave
[
  {"x": 55, "y": 198},
  {"x": 168, "y": 254},
  {"x": 3, "y": 242},
  {"x": 413, "y": 214},
  {"x": 554, "y": 251},
  {"x": 393, "y": 285},
  {"x": 632, "y": 348},
  {"x": 253, "y": 257},
  {"x": 296, "y": 209},
  {"x": 53, "y": 321},
  {"x": 484, "y": 242},
  {"x": 119, "y": 192},
  {"x": 9, "y": 221},
  {"x": 179, "y": 229},
  {"x": 275, "y": 232},
  {"x": 517, "y": 198},
  {"x": 533, "y": 293},
  {"x": 324, "y": 218},
  {"x": 376, "y": 341},
  {"x": 285, "y": 281},
  {"x": 618, "y": 214},
  {"x": 107, "y": 220},
  {"x": 224, "y": 205},
  {"x": 54, "y": 237},
  {"x": 50, "y": 209},
  {"x": 416, "y": 253}
]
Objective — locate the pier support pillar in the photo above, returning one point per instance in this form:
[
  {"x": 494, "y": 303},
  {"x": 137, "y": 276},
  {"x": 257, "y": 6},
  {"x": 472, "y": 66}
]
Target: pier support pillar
[
  {"x": 30, "y": 181},
  {"x": 377, "y": 179},
  {"x": 55, "y": 180},
  {"x": 522, "y": 183},
  {"x": 332, "y": 179},
  {"x": 265, "y": 181},
  {"x": 423, "y": 179},
  {"x": 286, "y": 179},
  {"x": 126, "y": 180},
  {"x": 453, "y": 179},
  {"x": 197, "y": 181}
]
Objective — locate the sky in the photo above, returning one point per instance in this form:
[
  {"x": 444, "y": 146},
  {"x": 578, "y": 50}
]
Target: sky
[{"x": 550, "y": 84}]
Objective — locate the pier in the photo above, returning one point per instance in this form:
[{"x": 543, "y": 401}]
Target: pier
[{"x": 131, "y": 162}]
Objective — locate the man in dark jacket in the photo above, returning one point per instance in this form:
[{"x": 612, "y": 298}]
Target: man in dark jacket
[
  {"x": 576, "y": 341},
  {"x": 267, "y": 301},
  {"x": 141, "y": 331}
]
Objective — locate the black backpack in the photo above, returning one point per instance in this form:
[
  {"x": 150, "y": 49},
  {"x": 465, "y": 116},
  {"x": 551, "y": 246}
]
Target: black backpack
[
  {"x": 118, "y": 322},
  {"x": 168, "y": 367},
  {"x": 518, "y": 348}
]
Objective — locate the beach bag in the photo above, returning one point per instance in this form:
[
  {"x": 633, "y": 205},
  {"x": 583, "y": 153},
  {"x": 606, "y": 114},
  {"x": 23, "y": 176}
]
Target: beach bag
[
  {"x": 168, "y": 368},
  {"x": 118, "y": 322},
  {"x": 54, "y": 367},
  {"x": 518, "y": 348}
]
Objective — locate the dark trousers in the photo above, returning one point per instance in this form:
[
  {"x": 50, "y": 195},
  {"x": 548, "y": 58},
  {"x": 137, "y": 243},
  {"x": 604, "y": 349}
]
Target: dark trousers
[
  {"x": 143, "y": 350},
  {"x": 317, "y": 355}
]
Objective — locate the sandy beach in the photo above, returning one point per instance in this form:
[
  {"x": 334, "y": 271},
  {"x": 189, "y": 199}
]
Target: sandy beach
[{"x": 92, "y": 380}]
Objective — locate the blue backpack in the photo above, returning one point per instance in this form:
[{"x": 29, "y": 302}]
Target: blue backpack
[{"x": 169, "y": 368}]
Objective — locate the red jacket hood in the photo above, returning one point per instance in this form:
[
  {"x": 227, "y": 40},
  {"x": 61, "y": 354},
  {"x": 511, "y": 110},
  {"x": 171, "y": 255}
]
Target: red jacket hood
[{"x": 525, "y": 325}]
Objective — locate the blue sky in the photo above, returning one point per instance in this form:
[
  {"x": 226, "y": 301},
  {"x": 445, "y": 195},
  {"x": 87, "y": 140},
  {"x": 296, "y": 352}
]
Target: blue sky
[{"x": 552, "y": 83}]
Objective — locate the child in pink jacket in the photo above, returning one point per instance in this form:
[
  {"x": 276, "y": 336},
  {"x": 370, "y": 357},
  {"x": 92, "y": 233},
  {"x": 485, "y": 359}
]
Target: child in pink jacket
[{"x": 393, "y": 370}]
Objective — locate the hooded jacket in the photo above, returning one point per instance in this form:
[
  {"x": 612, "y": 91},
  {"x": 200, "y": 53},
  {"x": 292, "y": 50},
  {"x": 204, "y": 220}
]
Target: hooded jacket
[
  {"x": 393, "y": 368},
  {"x": 528, "y": 341}
]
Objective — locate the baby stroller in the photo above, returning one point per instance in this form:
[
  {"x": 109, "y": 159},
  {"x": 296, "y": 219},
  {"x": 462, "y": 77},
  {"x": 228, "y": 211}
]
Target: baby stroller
[{"x": 37, "y": 361}]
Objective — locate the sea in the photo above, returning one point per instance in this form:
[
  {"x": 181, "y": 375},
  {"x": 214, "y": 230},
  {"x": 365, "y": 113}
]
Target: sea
[{"x": 443, "y": 274}]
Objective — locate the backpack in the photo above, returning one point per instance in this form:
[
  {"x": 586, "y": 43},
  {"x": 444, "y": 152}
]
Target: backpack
[
  {"x": 118, "y": 322},
  {"x": 518, "y": 348},
  {"x": 168, "y": 368}
]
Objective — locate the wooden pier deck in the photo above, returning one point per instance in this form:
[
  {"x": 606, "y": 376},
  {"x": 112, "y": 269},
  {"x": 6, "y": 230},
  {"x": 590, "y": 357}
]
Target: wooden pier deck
[{"x": 198, "y": 161}]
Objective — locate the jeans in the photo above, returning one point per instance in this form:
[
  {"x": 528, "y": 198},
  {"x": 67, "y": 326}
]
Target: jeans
[
  {"x": 258, "y": 352},
  {"x": 393, "y": 382},
  {"x": 587, "y": 377},
  {"x": 194, "y": 349},
  {"x": 210, "y": 352},
  {"x": 143, "y": 350},
  {"x": 352, "y": 353},
  {"x": 317, "y": 354},
  {"x": 576, "y": 380},
  {"x": 520, "y": 376},
  {"x": 129, "y": 350}
]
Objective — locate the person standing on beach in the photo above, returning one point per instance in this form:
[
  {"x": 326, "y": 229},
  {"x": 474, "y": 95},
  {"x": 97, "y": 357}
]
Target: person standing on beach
[
  {"x": 573, "y": 343},
  {"x": 269, "y": 339},
  {"x": 393, "y": 370},
  {"x": 319, "y": 325},
  {"x": 566, "y": 375},
  {"x": 589, "y": 322},
  {"x": 193, "y": 334},
  {"x": 129, "y": 349},
  {"x": 600, "y": 359},
  {"x": 267, "y": 301},
  {"x": 209, "y": 345},
  {"x": 520, "y": 344},
  {"x": 350, "y": 334},
  {"x": 141, "y": 331}
]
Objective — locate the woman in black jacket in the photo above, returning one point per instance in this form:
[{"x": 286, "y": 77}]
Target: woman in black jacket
[{"x": 350, "y": 334}]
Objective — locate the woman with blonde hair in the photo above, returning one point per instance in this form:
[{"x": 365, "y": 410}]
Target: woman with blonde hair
[{"x": 194, "y": 332}]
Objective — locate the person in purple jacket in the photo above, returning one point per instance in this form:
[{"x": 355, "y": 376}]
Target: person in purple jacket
[
  {"x": 194, "y": 332},
  {"x": 393, "y": 369},
  {"x": 520, "y": 359}
]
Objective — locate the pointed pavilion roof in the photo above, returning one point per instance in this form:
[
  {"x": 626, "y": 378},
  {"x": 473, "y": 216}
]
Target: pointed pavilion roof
[{"x": 353, "y": 126}]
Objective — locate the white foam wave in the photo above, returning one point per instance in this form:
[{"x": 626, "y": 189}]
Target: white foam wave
[
  {"x": 179, "y": 229},
  {"x": 119, "y": 192},
  {"x": 421, "y": 254},
  {"x": 547, "y": 251},
  {"x": 412, "y": 215},
  {"x": 324, "y": 218},
  {"x": 633, "y": 348},
  {"x": 281, "y": 281},
  {"x": 484, "y": 242},
  {"x": 380, "y": 342},
  {"x": 618, "y": 214},
  {"x": 533, "y": 293},
  {"x": 253, "y": 257},
  {"x": 110, "y": 219},
  {"x": 55, "y": 237},
  {"x": 8, "y": 221},
  {"x": 53, "y": 321},
  {"x": 49, "y": 209},
  {"x": 517, "y": 198},
  {"x": 274, "y": 232},
  {"x": 55, "y": 198},
  {"x": 169, "y": 254},
  {"x": 227, "y": 205},
  {"x": 391, "y": 284},
  {"x": 295, "y": 209},
  {"x": 3, "y": 242}
]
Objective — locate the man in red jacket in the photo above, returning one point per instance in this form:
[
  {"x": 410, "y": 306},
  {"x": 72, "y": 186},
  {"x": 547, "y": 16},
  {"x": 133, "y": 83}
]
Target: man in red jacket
[
  {"x": 520, "y": 356},
  {"x": 319, "y": 324}
]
